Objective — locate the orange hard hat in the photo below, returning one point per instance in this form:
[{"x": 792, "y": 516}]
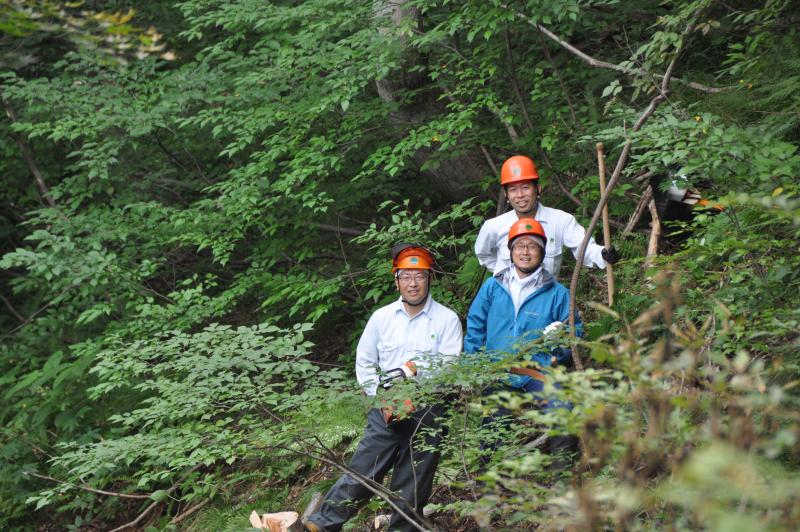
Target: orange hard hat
[
  {"x": 529, "y": 227},
  {"x": 518, "y": 168},
  {"x": 411, "y": 257}
]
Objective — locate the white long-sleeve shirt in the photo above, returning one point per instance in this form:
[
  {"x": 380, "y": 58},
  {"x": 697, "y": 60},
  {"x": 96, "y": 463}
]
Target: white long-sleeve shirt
[
  {"x": 431, "y": 338},
  {"x": 561, "y": 228}
]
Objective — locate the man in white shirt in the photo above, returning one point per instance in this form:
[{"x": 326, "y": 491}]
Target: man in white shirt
[
  {"x": 520, "y": 181},
  {"x": 410, "y": 338}
]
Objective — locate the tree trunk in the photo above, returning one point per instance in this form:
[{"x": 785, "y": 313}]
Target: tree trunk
[{"x": 454, "y": 174}]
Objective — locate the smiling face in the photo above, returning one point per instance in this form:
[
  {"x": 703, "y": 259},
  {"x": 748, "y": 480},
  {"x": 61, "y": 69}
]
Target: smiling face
[
  {"x": 526, "y": 254},
  {"x": 413, "y": 285},
  {"x": 522, "y": 196}
]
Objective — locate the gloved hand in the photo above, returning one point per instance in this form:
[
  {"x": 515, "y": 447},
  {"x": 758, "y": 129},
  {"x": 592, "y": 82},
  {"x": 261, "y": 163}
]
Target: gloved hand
[
  {"x": 395, "y": 410},
  {"x": 553, "y": 327},
  {"x": 407, "y": 370},
  {"x": 610, "y": 255}
]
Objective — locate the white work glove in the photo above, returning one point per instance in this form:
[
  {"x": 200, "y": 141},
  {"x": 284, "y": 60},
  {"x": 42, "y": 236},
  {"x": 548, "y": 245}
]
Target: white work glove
[
  {"x": 409, "y": 369},
  {"x": 552, "y": 328}
]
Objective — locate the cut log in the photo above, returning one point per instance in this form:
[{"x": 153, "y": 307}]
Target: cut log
[{"x": 277, "y": 522}]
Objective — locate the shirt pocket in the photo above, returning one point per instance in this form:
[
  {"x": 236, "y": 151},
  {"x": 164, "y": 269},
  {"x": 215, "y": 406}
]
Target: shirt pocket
[
  {"x": 424, "y": 348},
  {"x": 388, "y": 349}
]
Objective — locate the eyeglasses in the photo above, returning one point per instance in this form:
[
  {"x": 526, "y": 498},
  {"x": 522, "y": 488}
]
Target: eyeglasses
[
  {"x": 526, "y": 247},
  {"x": 406, "y": 277}
]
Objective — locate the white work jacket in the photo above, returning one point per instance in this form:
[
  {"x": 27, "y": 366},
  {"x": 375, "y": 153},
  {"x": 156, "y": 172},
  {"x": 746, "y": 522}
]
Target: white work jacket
[
  {"x": 561, "y": 229},
  {"x": 390, "y": 339}
]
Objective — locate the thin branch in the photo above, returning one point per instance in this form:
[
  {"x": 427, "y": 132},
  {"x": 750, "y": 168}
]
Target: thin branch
[
  {"x": 512, "y": 74},
  {"x": 39, "y": 311},
  {"x": 341, "y": 230},
  {"x": 621, "y": 162},
  {"x": 84, "y": 487},
  {"x": 558, "y": 181},
  {"x": 647, "y": 196},
  {"x": 512, "y": 131},
  {"x": 12, "y": 309},
  {"x": 501, "y": 198},
  {"x": 27, "y": 155},
  {"x": 192, "y": 509},
  {"x": 347, "y": 263},
  {"x": 156, "y": 503},
  {"x": 328, "y": 457},
  {"x": 526, "y": 116},
  {"x": 564, "y": 90},
  {"x": 591, "y": 61},
  {"x": 461, "y": 451}
]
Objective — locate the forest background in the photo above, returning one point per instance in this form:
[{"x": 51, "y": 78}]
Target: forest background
[{"x": 198, "y": 201}]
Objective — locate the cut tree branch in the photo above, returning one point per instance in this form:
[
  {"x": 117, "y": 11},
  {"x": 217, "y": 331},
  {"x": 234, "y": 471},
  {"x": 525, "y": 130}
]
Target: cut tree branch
[
  {"x": 647, "y": 196},
  {"x": 621, "y": 162},
  {"x": 655, "y": 234}
]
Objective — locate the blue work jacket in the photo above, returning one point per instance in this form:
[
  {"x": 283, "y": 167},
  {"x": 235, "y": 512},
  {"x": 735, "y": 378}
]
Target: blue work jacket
[{"x": 493, "y": 325}]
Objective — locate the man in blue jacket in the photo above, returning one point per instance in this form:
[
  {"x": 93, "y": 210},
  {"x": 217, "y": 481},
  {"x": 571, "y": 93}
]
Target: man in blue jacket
[{"x": 516, "y": 306}]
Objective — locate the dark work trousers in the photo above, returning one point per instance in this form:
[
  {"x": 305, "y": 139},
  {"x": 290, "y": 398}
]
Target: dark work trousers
[
  {"x": 502, "y": 418},
  {"x": 381, "y": 448}
]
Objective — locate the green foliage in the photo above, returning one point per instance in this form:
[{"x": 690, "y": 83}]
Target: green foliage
[{"x": 222, "y": 227}]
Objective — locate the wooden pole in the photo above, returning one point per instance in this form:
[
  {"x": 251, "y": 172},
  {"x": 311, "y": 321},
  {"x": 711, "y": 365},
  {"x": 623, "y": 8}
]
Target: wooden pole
[{"x": 601, "y": 164}]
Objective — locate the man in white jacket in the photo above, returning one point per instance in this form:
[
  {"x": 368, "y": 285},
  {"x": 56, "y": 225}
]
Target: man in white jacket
[
  {"x": 410, "y": 338},
  {"x": 520, "y": 181}
]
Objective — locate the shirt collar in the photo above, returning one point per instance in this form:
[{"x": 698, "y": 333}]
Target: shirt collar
[{"x": 398, "y": 306}]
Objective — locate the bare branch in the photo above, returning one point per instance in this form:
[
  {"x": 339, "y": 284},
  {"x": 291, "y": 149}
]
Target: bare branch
[
  {"x": 501, "y": 198},
  {"x": 12, "y": 309},
  {"x": 591, "y": 61},
  {"x": 327, "y": 456},
  {"x": 27, "y": 155},
  {"x": 192, "y": 509},
  {"x": 156, "y": 503},
  {"x": 647, "y": 195},
  {"x": 84, "y": 487},
  {"x": 655, "y": 233},
  {"x": 564, "y": 90},
  {"x": 340, "y": 230}
]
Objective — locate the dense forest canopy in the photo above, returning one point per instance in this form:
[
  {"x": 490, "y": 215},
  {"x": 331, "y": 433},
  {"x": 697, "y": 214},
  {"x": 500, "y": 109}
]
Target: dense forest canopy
[{"x": 198, "y": 203}]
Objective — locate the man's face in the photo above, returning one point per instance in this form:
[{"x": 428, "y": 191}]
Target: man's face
[
  {"x": 526, "y": 254},
  {"x": 522, "y": 196},
  {"x": 413, "y": 285}
]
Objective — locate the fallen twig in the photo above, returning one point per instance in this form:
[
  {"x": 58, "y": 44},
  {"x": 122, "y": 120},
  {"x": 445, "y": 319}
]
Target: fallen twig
[{"x": 84, "y": 487}]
